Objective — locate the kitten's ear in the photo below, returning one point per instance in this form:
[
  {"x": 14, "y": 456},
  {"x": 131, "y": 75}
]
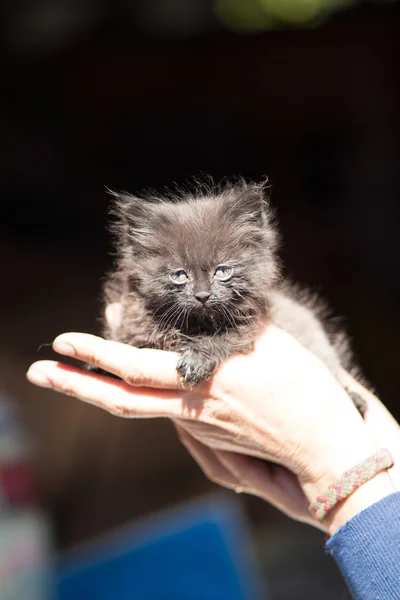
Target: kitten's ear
[
  {"x": 129, "y": 209},
  {"x": 250, "y": 202},
  {"x": 132, "y": 214}
]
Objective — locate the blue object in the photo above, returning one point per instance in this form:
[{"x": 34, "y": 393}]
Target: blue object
[
  {"x": 199, "y": 552},
  {"x": 367, "y": 551}
]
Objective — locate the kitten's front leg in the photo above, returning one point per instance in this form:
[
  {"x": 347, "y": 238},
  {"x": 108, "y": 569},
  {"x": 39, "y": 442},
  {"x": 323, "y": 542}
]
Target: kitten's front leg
[
  {"x": 199, "y": 360},
  {"x": 194, "y": 367}
]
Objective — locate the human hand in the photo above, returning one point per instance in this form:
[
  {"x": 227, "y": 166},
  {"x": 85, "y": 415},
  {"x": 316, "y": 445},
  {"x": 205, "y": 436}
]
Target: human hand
[
  {"x": 280, "y": 487},
  {"x": 279, "y": 404}
]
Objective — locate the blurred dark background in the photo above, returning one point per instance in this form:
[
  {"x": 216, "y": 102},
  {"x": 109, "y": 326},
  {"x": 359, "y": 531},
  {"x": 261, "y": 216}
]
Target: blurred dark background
[{"x": 129, "y": 95}]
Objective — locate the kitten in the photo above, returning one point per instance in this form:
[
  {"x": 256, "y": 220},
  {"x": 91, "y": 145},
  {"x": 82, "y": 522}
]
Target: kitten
[{"x": 199, "y": 274}]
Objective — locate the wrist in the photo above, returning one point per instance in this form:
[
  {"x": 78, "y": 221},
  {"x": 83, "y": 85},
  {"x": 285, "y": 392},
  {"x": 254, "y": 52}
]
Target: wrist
[
  {"x": 362, "y": 498},
  {"x": 341, "y": 494}
]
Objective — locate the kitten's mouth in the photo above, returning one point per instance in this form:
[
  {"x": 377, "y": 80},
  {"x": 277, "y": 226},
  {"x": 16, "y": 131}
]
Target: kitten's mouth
[
  {"x": 202, "y": 309},
  {"x": 204, "y": 312}
]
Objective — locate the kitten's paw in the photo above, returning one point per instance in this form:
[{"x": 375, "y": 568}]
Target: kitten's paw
[
  {"x": 360, "y": 403},
  {"x": 194, "y": 367}
]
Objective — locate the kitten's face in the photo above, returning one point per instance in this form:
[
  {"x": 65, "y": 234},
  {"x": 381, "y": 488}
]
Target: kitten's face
[{"x": 201, "y": 262}]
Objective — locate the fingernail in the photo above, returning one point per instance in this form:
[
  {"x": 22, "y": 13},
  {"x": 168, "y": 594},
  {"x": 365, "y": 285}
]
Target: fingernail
[
  {"x": 38, "y": 378},
  {"x": 63, "y": 347}
]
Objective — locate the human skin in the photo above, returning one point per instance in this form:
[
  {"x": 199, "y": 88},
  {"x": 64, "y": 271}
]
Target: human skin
[{"x": 279, "y": 404}]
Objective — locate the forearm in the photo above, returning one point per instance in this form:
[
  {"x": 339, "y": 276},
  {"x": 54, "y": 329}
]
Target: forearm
[
  {"x": 364, "y": 528},
  {"x": 367, "y": 548}
]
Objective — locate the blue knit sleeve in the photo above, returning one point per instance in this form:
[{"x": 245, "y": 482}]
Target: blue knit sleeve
[{"x": 367, "y": 551}]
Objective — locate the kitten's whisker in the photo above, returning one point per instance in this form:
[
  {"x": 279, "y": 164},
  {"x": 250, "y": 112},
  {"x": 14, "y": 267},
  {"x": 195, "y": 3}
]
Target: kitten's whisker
[
  {"x": 168, "y": 311},
  {"x": 167, "y": 317},
  {"x": 186, "y": 320},
  {"x": 244, "y": 315},
  {"x": 170, "y": 316},
  {"x": 228, "y": 316},
  {"x": 235, "y": 291},
  {"x": 178, "y": 315},
  {"x": 224, "y": 312}
]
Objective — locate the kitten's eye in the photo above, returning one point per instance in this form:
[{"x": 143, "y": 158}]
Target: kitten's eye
[
  {"x": 223, "y": 273},
  {"x": 180, "y": 277}
]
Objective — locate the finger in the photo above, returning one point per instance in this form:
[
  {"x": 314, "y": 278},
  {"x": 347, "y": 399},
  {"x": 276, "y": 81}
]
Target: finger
[
  {"x": 138, "y": 367},
  {"x": 271, "y": 482},
  {"x": 112, "y": 395},
  {"x": 207, "y": 460},
  {"x": 242, "y": 473}
]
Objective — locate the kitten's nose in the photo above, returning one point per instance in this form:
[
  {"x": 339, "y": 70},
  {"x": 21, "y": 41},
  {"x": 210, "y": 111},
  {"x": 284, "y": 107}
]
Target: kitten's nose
[{"x": 202, "y": 296}]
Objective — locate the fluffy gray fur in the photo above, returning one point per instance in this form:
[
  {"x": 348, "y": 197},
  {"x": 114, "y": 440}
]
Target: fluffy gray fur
[{"x": 206, "y": 236}]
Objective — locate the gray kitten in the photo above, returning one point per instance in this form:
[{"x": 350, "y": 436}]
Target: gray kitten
[{"x": 198, "y": 273}]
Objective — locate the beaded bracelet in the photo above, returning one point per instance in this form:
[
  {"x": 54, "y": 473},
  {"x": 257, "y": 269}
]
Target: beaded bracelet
[{"x": 349, "y": 482}]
